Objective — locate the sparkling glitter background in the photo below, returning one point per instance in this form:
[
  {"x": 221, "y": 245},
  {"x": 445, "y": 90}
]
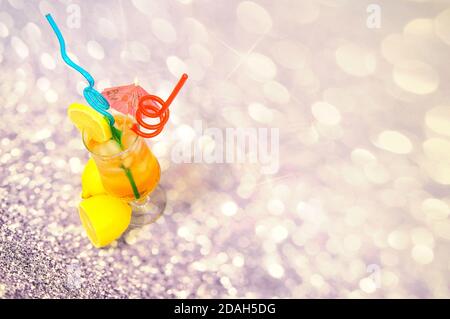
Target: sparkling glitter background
[{"x": 359, "y": 207}]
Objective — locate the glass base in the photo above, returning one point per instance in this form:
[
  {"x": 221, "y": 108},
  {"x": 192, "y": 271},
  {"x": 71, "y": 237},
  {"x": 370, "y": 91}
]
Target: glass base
[{"x": 149, "y": 209}]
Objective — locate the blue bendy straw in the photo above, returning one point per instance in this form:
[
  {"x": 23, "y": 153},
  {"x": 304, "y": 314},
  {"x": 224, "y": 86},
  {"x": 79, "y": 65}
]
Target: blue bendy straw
[{"x": 92, "y": 96}]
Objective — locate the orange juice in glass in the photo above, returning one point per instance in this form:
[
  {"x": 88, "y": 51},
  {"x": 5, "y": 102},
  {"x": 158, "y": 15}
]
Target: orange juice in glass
[{"x": 129, "y": 171}]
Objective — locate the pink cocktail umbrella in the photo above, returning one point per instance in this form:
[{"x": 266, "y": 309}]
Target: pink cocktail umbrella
[{"x": 125, "y": 98}]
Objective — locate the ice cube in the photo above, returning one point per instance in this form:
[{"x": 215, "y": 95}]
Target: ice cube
[
  {"x": 109, "y": 148},
  {"x": 128, "y": 138},
  {"x": 128, "y": 161}
]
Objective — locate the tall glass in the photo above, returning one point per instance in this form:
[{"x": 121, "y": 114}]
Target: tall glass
[{"x": 131, "y": 173}]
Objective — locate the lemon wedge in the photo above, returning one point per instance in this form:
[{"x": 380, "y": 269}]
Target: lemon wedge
[
  {"x": 104, "y": 218},
  {"x": 87, "y": 119},
  {"x": 91, "y": 183}
]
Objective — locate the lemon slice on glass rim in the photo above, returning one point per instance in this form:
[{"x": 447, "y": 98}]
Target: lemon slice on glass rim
[{"x": 89, "y": 120}]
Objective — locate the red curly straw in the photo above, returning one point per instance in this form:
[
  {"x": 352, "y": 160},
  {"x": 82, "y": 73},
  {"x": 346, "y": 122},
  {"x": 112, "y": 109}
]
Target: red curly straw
[{"x": 148, "y": 106}]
